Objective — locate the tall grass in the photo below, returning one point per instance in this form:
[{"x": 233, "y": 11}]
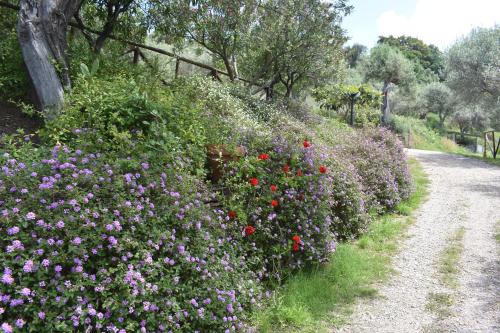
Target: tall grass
[{"x": 315, "y": 300}]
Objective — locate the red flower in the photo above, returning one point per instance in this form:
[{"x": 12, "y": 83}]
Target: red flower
[
  {"x": 273, "y": 188},
  {"x": 249, "y": 230},
  {"x": 295, "y": 247},
  {"x": 263, "y": 156},
  {"x": 254, "y": 181},
  {"x": 274, "y": 203},
  {"x": 299, "y": 173},
  {"x": 307, "y": 144},
  {"x": 231, "y": 214},
  {"x": 296, "y": 239},
  {"x": 322, "y": 169},
  {"x": 286, "y": 168}
]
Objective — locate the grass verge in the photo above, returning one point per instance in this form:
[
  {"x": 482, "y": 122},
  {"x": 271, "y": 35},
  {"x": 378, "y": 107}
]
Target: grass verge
[{"x": 312, "y": 301}]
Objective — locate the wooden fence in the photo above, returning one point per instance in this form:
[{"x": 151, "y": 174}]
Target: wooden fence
[{"x": 491, "y": 144}]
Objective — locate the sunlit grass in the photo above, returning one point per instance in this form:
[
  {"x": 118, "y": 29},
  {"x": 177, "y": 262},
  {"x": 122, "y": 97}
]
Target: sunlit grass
[{"x": 312, "y": 301}]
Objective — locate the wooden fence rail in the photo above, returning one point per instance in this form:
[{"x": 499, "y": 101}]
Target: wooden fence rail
[{"x": 491, "y": 144}]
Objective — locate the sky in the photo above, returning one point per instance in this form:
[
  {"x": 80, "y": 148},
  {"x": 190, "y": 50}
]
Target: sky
[{"x": 438, "y": 22}]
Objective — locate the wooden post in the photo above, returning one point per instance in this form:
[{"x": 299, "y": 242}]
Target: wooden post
[
  {"x": 494, "y": 146},
  {"x": 484, "y": 148},
  {"x": 177, "y": 65},
  {"x": 136, "y": 55}
]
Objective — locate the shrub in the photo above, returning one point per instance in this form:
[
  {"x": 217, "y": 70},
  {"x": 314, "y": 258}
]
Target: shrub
[
  {"x": 281, "y": 195},
  {"x": 121, "y": 113},
  {"x": 380, "y": 161},
  {"x": 103, "y": 243}
]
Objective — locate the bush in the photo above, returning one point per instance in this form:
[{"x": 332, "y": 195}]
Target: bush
[
  {"x": 120, "y": 113},
  {"x": 281, "y": 196},
  {"x": 380, "y": 161},
  {"x": 94, "y": 242},
  {"x": 13, "y": 77}
]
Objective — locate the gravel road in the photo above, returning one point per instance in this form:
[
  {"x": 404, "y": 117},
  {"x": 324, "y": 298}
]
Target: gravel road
[{"x": 463, "y": 193}]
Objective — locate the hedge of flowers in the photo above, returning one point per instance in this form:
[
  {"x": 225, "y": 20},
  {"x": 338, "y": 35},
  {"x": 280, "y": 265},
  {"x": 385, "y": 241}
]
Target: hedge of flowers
[
  {"x": 380, "y": 161},
  {"x": 90, "y": 244},
  {"x": 103, "y": 237},
  {"x": 282, "y": 197}
]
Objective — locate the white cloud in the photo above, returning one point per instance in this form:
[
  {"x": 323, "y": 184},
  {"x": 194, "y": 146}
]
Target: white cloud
[{"x": 440, "y": 22}]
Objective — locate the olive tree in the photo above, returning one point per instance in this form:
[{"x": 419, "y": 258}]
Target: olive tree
[
  {"x": 439, "y": 99},
  {"x": 42, "y": 27},
  {"x": 473, "y": 70},
  {"x": 391, "y": 67}
]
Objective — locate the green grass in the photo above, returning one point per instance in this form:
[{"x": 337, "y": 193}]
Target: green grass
[
  {"x": 450, "y": 257},
  {"x": 423, "y": 137},
  {"x": 315, "y": 300},
  {"x": 440, "y": 304}
]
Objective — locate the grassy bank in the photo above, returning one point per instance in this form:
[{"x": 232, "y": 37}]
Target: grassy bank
[
  {"x": 418, "y": 135},
  {"x": 313, "y": 301}
]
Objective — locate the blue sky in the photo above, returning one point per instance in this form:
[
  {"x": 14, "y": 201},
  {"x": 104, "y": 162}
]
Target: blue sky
[{"x": 438, "y": 22}]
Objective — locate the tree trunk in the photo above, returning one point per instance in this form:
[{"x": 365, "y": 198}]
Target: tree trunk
[
  {"x": 42, "y": 27},
  {"x": 229, "y": 68},
  {"x": 385, "y": 103}
]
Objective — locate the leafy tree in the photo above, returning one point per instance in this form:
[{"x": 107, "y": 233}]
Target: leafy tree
[
  {"x": 390, "y": 66},
  {"x": 354, "y": 53},
  {"x": 220, "y": 26},
  {"x": 122, "y": 17},
  {"x": 296, "y": 43},
  {"x": 473, "y": 70},
  {"x": 428, "y": 56},
  {"x": 439, "y": 99},
  {"x": 338, "y": 96}
]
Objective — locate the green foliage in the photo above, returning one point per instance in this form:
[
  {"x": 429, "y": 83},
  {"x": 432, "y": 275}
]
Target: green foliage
[
  {"x": 389, "y": 65},
  {"x": 13, "y": 77},
  {"x": 473, "y": 67},
  {"x": 439, "y": 99},
  {"x": 354, "y": 53},
  {"x": 278, "y": 54},
  {"x": 428, "y": 57},
  {"x": 338, "y": 97},
  {"x": 418, "y": 135},
  {"x": 120, "y": 113},
  {"x": 314, "y": 300}
]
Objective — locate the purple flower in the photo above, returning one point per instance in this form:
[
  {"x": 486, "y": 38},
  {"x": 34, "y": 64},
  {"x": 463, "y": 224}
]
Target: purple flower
[
  {"x": 13, "y": 230},
  {"x": 41, "y": 315},
  {"x": 7, "y": 328},
  {"x": 58, "y": 268},
  {"x": 7, "y": 278},
  {"x": 230, "y": 308},
  {"x": 45, "y": 262},
  {"x": 20, "y": 323},
  {"x": 60, "y": 224},
  {"x": 25, "y": 292},
  {"x": 181, "y": 249},
  {"x": 28, "y": 266},
  {"x": 77, "y": 241},
  {"x": 30, "y": 216},
  {"x": 112, "y": 240}
]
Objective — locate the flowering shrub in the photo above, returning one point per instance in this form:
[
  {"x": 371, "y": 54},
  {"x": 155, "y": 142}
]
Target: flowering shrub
[
  {"x": 280, "y": 197},
  {"x": 91, "y": 243},
  {"x": 379, "y": 159}
]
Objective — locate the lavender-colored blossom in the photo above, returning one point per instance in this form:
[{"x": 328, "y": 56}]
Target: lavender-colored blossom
[{"x": 7, "y": 328}]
